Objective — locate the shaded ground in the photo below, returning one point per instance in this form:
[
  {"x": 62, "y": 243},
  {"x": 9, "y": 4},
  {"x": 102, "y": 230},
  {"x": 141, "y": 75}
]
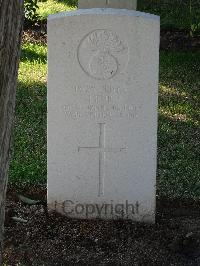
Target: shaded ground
[{"x": 56, "y": 240}]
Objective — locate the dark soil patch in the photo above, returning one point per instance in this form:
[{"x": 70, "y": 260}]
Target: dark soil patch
[
  {"x": 177, "y": 40},
  {"x": 34, "y": 36},
  {"x": 171, "y": 39},
  {"x": 35, "y": 32},
  {"x": 56, "y": 240}
]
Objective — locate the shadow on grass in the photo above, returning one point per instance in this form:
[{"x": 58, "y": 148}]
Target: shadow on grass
[
  {"x": 31, "y": 55},
  {"x": 179, "y": 131},
  {"x": 28, "y": 164},
  {"x": 178, "y": 158},
  {"x": 179, "y": 84},
  {"x": 180, "y": 68}
]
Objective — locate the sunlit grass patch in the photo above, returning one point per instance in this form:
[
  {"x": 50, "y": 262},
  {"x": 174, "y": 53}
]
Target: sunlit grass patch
[
  {"x": 33, "y": 65},
  {"x": 53, "y": 6}
]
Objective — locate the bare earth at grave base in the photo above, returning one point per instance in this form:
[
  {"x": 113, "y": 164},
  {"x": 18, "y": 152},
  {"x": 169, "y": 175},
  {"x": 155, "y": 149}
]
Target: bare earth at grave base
[{"x": 57, "y": 240}]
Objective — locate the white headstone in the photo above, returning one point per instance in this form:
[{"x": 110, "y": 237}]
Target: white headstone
[
  {"x": 102, "y": 113},
  {"x": 126, "y": 4}
]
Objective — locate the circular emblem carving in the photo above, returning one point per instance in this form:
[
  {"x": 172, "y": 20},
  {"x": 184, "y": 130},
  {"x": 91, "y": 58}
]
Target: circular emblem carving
[{"x": 102, "y": 54}]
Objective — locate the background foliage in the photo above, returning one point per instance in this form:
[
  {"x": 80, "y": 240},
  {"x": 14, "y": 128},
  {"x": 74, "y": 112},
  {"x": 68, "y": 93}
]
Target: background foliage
[
  {"x": 179, "y": 14},
  {"x": 31, "y": 7}
]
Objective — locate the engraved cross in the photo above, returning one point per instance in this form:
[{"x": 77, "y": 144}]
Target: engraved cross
[{"x": 102, "y": 150}]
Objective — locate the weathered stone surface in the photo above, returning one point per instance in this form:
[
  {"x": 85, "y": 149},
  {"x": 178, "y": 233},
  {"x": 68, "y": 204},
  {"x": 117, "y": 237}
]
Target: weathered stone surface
[
  {"x": 102, "y": 113},
  {"x": 126, "y": 4}
]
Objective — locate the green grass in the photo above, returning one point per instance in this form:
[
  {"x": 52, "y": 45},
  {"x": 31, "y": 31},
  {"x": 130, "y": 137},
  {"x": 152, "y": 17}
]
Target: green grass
[
  {"x": 178, "y": 14},
  {"x": 29, "y": 146},
  {"x": 53, "y": 6},
  {"x": 178, "y": 131}
]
